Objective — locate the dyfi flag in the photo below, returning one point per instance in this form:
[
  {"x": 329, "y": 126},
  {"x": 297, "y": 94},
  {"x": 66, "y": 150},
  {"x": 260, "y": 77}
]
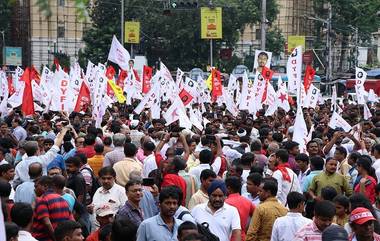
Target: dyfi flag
[
  {"x": 185, "y": 96},
  {"x": 216, "y": 83},
  {"x": 294, "y": 69},
  {"x": 309, "y": 77},
  {"x": 122, "y": 76},
  {"x": 179, "y": 78},
  {"x": 312, "y": 97},
  {"x": 147, "y": 76},
  {"x": 337, "y": 121},
  {"x": 372, "y": 97},
  {"x": 271, "y": 100},
  {"x": 360, "y": 76},
  {"x": 118, "y": 54},
  {"x": 11, "y": 88},
  {"x": 367, "y": 113},
  {"x": 27, "y": 107},
  {"x": 84, "y": 98},
  {"x": 300, "y": 130},
  {"x": 267, "y": 74},
  {"x": 282, "y": 95}
]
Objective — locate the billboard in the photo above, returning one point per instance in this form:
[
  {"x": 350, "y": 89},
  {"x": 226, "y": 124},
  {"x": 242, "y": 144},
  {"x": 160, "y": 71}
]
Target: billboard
[
  {"x": 294, "y": 41},
  {"x": 132, "y": 32},
  {"x": 12, "y": 56},
  {"x": 211, "y": 23}
]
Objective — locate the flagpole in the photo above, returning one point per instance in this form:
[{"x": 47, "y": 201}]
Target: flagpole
[
  {"x": 122, "y": 23},
  {"x": 211, "y": 60},
  {"x": 131, "y": 51}
]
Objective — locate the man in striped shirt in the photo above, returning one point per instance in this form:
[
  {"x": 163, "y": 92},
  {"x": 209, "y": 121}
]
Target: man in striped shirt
[
  {"x": 324, "y": 212},
  {"x": 50, "y": 210}
]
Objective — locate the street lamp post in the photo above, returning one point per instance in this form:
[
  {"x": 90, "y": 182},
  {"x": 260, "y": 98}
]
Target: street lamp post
[
  {"x": 122, "y": 22},
  {"x": 263, "y": 23}
]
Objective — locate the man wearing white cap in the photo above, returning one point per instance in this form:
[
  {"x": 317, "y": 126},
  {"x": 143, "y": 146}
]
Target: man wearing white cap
[
  {"x": 362, "y": 224},
  {"x": 104, "y": 215}
]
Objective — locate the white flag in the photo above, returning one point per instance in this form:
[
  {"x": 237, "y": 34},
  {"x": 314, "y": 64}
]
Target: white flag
[
  {"x": 259, "y": 89},
  {"x": 195, "y": 120},
  {"x": 282, "y": 95},
  {"x": 312, "y": 97},
  {"x": 60, "y": 91},
  {"x": 372, "y": 97},
  {"x": 271, "y": 100},
  {"x": 294, "y": 69},
  {"x": 360, "y": 92},
  {"x": 337, "y": 121},
  {"x": 16, "y": 99},
  {"x": 230, "y": 103},
  {"x": 179, "y": 78},
  {"x": 150, "y": 99},
  {"x": 367, "y": 112},
  {"x": 334, "y": 98},
  {"x": 361, "y": 76},
  {"x": 247, "y": 94},
  {"x": 175, "y": 111},
  {"x": 300, "y": 130},
  {"x": 118, "y": 54},
  {"x": 4, "y": 94}
]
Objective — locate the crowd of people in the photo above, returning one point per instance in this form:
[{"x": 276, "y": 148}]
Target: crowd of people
[{"x": 240, "y": 178}]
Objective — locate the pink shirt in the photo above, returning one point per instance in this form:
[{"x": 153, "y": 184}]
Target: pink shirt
[{"x": 140, "y": 155}]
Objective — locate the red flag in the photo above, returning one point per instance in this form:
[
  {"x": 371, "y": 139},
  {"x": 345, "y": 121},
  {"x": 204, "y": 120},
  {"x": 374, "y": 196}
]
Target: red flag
[
  {"x": 267, "y": 75},
  {"x": 185, "y": 96},
  {"x": 110, "y": 72},
  {"x": 120, "y": 80},
  {"x": 56, "y": 63},
  {"x": 11, "y": 88},
  {"x": 83, "y": 100},
  {"x": 309, "y": 77},
  {"x": 34, "y": 75},
  {"x": 216, "y": 84},
  {"x": 147, "y": 75},
  {"x": 136, "y": 75},
  {"x": 27, "y": 99}
]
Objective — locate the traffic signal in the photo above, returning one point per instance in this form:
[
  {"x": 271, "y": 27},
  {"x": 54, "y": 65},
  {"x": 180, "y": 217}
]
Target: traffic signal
[{"x": 183, "y": 3}]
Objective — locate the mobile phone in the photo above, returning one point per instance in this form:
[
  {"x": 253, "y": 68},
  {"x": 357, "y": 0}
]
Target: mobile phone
[{"x": 149, "y": 181}]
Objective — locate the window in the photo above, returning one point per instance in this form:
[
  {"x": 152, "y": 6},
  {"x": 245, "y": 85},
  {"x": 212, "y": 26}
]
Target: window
[
  {"x": 258, "y": 34},
  {"x": 61, "y": 32},
  {"x": 61, "y": 3}
]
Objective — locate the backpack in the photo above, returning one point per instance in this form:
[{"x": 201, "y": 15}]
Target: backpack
[
  {"x": 94, "y": 181},
  {"x": 205, "y": 231}
]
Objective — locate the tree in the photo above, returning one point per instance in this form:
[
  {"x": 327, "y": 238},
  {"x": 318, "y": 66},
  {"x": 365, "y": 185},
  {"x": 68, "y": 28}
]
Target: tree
[
  {"x": 275, "y": 41},
  {"x": 5, "y": 21},
  {"x": 173, "y": 38}
]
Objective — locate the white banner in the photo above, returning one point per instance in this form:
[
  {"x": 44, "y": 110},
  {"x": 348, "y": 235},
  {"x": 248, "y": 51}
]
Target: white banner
[
  {"x": 294, "y": 69},
  {"x": 360, "y": 76}
]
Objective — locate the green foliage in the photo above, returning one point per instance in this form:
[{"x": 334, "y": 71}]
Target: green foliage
[
  {"x": 64, "y": 61},
  {"x": 174, "y": 38},
  {"x": 80, "y": 5},
  {"x": 5, "y": 21},
  {"x": 275, "y": 41}
]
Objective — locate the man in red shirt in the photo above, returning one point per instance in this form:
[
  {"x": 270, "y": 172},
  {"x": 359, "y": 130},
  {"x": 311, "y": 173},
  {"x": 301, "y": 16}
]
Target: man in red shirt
[
  {"x": 88, "y": 149},
  {"x": 171, "y": 177},
  {"x": 242, "y": 204},
  {"x": 50, "y": 210}
]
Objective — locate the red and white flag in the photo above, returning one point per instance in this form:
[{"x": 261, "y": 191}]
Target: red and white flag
[
  {"x": 271, "y": 100},
  {"x": 282, "y": 95},
  {"x": 84, "y": 98},
  {"x": 147, "y": 76},
  {"x": 118, "y": 54}
]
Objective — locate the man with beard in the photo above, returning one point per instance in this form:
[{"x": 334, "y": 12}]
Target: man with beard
[
  {"x": 163, "y": 226},
  {"x": 312, "y": 148},
  {"x": 266, "y": 213},
  {"x": 223, "y": 219}
]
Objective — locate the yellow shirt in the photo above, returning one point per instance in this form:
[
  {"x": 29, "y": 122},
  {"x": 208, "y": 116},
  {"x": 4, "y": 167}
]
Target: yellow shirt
[
  {"x": 337, "y": 181},
  {"x": 96, "y": 163},
  {"x": 124, "y": 168},
  {"x": 263, "y": 219},
  {"x": 198, "y": 198}
]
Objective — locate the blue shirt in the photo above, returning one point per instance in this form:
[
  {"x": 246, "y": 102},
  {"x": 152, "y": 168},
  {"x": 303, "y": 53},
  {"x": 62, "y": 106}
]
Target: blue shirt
[
  {"x": 149, "y": 204},
  {"x": 154, "y": 229},
  {"x": 25, "y": 193},
  {"x": 307, "y": 180},
  {"x": 70, "y": 200}
]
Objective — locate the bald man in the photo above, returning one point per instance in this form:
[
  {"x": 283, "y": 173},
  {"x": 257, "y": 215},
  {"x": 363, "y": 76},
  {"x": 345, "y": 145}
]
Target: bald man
[{"x": 25, "y": 191}]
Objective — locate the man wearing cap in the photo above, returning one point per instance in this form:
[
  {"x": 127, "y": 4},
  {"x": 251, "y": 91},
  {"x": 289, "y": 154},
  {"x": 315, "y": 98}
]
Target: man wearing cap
[
  {"x": 334, "y": 233},
  {"x": 104, "y": 215},
  {"x": 224, "y": 220},
  {"x": 362, "y": 224}
]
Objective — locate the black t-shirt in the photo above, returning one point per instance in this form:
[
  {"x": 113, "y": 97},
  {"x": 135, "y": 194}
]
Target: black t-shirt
[{"x": 77, "y": 183}]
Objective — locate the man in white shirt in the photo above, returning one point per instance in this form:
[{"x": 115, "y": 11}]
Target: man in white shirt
[
  {"x": 205, "y": 158},
  {"x": 376, "y": 163},
  {"x": 284, "y": 228},
  {"x": 22, "y": 215},
  {"x": 149, "y": 163},
  {"x": 287, "y": 180},
  {"x": 32, "y": 151},
  {"x": 223, "y": 219}
]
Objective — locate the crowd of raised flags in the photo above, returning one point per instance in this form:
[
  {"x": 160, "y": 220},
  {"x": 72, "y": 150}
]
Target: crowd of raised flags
[{"x": 100, "y": 86}]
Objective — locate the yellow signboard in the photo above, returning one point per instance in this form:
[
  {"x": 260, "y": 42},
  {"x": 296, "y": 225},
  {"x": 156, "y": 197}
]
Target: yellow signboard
[
  {"x": 294, "y": 41},
  {"x": 211, "y": 23},
  {"x": 132, "y": 32}
]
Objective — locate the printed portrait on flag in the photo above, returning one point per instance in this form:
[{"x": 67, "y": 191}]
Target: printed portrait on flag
[{"x": 262, "y": 58}]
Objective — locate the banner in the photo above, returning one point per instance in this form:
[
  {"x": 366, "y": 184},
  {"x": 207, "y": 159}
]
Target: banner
[
  {"x": 147, "y": 75},
  {"x": 312, "y": 97},
  {"x": 118, "y": 54},
  {"x": 132, "y": 32},
  {"x": 211, "y": 23},
  {"x": 247, "y": 94},
  {"x": 360, "y": 75},
  {"x": 294, "y": 69},
  {"x": 294, "y": 41}
]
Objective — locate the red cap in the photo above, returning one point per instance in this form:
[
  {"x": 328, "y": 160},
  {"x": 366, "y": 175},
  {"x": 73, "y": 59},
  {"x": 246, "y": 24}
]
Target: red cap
[{"x": 361, "y": 215}]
